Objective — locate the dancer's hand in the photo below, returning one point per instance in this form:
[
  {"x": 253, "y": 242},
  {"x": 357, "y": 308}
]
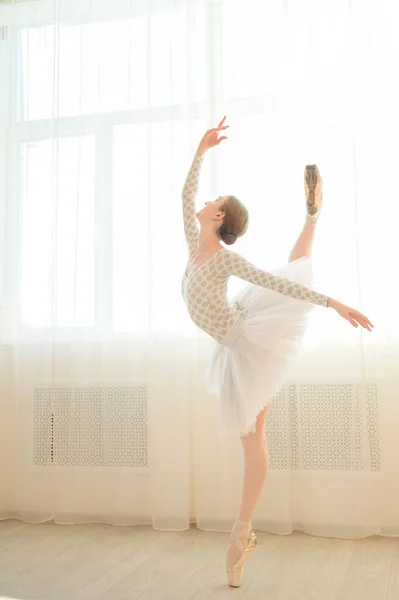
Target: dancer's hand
[
  {"x": 354, "y": 317},
  {"x": 211, "y": 138}
]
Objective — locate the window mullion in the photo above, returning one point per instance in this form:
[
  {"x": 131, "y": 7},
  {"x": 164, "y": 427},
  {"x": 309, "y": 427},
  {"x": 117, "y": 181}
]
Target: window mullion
[
  {"x": 10, "y": 176},
  {"x": 103, "y": 228},
  {"x": 214, "y": 66}
]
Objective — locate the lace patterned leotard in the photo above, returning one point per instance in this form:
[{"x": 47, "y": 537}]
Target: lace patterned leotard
[{"x": 204, "y": 287}]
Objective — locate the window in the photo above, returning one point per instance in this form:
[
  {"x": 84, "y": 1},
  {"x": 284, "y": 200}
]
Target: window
[
  {"x": 108, "y": 115},
  {"x": 103, "y": 138}
]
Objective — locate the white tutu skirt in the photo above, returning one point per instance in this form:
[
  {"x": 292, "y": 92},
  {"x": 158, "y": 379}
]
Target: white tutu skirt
[{"x": 249, "y": 367}]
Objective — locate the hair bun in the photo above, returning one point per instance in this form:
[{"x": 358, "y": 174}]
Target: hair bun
[
  {"x": 229, "y": 238},
  {"x": 235, "y": 220}
]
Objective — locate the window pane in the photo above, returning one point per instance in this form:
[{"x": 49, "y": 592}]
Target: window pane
[
  {"x": 279, "y": 49},
  {"x": 57, "y": 261},
  {"x": 130, "y": 284},
  {"x": 171, "y": 156},
  {"x": 177, "y": 57},
  {"x": 149, "y": 250},
  {"x": 112, "y": 66},
  {"x": 252, "y": 45},
  {"x": 37, "y": 76}
]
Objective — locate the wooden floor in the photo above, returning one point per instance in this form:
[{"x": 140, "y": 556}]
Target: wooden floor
[{"x": 54, "y": 562}]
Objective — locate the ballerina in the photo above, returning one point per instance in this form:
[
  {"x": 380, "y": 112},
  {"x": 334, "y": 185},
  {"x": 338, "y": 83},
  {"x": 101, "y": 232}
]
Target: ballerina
[{"x": 258, "y": 334}]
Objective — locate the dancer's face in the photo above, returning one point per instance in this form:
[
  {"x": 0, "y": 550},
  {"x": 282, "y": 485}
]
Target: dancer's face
[{"x": 212, "y": 211}]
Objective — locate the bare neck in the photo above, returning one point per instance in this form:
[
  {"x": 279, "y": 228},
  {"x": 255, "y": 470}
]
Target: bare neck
[{"x": 209, "y": 241}]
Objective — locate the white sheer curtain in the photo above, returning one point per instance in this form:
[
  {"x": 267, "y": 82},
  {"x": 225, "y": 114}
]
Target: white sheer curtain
[{"x": 104, "y": 416}]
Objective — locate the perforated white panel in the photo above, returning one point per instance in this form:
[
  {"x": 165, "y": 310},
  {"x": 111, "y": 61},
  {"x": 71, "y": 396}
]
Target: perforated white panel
[
  {"x": 309, "y": 427},
  {"x": 90, "y": 427},
  {"x": 327, "y": 427}
]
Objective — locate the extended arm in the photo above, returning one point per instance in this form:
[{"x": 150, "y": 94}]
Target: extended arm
[
  {"x": 236, "y": 265},
  {"x": 210, "y": 139},
  {"x": 189, "y": 195}
]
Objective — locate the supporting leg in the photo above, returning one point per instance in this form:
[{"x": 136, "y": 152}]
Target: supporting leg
[{"x": 256, "y": 463}]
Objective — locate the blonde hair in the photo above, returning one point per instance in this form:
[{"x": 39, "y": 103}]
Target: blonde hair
[{"x": 235, "y": 221}]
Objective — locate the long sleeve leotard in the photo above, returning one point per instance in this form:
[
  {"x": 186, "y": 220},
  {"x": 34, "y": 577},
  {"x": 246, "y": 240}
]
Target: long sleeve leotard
[{"x": 204, "y": 287}]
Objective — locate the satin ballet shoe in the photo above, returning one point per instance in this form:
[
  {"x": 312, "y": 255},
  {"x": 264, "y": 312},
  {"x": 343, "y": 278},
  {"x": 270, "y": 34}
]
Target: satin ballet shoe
[
  {"x": 245, "y": 545},
  {"x": 313, "y": 191}
]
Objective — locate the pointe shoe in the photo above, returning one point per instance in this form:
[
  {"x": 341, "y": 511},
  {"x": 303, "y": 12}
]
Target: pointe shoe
[
  {"x": 313, "y": 191},
  {"x": 245, "y": 545}
]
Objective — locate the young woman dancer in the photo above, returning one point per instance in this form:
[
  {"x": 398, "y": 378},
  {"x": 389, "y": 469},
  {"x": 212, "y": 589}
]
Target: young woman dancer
[{"x": 257, "y": 334}]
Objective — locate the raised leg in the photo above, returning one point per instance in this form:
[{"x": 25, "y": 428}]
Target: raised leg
[
  {"x": 304, "y": 244},
  {"x": 314, "y": 198}
]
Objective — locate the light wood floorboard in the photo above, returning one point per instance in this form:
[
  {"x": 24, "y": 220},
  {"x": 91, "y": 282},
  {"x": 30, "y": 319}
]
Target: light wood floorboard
[{"x": 87, "y": 562}]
